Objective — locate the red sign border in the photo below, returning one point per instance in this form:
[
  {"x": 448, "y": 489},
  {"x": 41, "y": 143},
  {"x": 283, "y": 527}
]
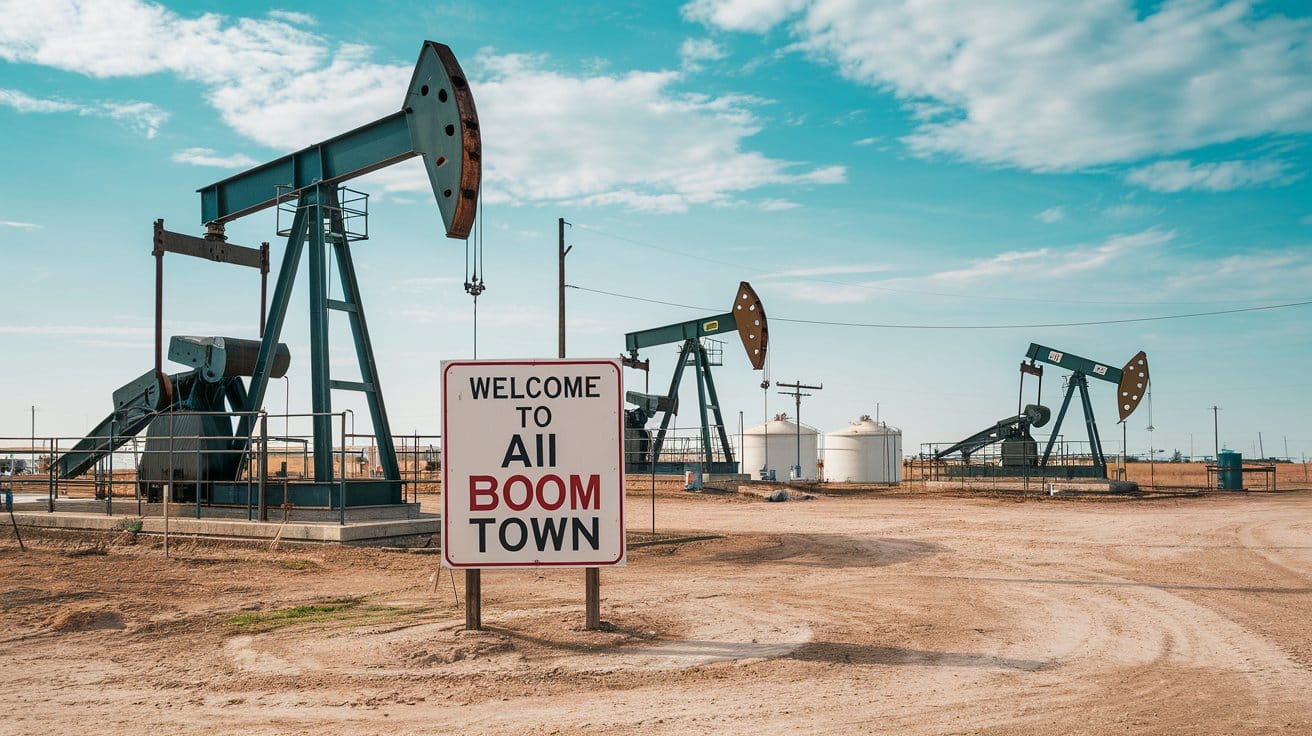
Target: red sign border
[{"x": 446, "y": 466}]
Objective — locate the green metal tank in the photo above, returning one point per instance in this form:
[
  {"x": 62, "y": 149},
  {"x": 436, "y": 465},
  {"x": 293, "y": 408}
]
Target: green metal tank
[{"x": 1229, "y": 473}]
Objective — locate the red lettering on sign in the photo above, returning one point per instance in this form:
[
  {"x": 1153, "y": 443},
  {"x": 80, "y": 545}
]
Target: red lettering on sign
[
  {"x": 528, "y": 492},
  {"x": 480, "y": 487},
  {"x": 560, "y": 492},
  {"x": 486, "y": 492},
  {"x": 579, "y": 497}
]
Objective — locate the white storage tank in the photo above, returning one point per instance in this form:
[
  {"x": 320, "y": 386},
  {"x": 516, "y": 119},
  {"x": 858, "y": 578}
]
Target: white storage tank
[
  {"x": 865, "y": 451},
  {"x": 773, "y": 446}
]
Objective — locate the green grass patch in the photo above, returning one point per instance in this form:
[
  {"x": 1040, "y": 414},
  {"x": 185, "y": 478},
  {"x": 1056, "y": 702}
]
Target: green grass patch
[
  {"x": 297, "y": 564},
  {"x": 349, "y": 610}
]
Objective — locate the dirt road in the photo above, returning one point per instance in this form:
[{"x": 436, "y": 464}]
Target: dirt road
[{"x": 907, "y": 614}]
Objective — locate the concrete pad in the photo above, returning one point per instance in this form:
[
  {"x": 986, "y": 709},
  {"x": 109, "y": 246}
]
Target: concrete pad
[{"x": 359, "y": 532}]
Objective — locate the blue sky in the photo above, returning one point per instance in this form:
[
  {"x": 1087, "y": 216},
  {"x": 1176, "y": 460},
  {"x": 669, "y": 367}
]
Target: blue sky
[{"x": 929, "y": 165}]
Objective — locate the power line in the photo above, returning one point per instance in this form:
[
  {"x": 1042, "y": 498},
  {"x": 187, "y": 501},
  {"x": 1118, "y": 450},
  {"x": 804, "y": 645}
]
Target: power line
[
  {"x": 740, "y": 266},
  {"x": 894, "y": 326}
]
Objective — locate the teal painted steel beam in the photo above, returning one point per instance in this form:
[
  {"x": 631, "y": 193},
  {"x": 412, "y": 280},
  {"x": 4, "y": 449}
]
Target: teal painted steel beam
[
  {"x": 692, "y": 329},
  {"x": 318, "y": 202},
  {"x": 367, "y": 148},
  {"x": 1071, "y": 362},
  {"x": 659, "y": 440},
  {"x": 364, "y": 353},
  {"x": 715, "y": 408},
  {"x": 699, "y": 360},
  {"x": 282, "y": 294}
]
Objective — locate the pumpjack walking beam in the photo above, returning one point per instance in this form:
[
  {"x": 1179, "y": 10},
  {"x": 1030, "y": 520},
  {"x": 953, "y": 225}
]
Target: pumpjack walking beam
[{"x": 439, "y": 123}]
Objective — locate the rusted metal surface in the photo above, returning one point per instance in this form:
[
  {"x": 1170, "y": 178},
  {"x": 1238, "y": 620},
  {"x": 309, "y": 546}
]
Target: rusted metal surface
[
  {"x": 1133, "y": 385},
  {"x": 212, "y": 247},
  {"x": 749, "y": 316},
  {"x": 440, "y": 110}
]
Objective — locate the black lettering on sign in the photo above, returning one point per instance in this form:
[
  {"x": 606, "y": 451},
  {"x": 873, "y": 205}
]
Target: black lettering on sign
[
  {"x": 549, "y": 530},
  {"x": 482, "y": 523},
  {"x": 523, "y": 534},
  {"x": 592, "y": 537},
  {"x": 517, "y": 451},
  {"x": 535, "y": 387},
  {"x": 479, "y": 385}
]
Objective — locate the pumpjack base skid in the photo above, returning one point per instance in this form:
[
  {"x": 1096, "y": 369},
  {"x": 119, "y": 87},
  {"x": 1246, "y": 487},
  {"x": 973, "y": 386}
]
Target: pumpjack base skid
[
  {"x": 1048, "y": 472},
  {"x": 368, "y": 492},
  {"x": 677, "y": 468}
]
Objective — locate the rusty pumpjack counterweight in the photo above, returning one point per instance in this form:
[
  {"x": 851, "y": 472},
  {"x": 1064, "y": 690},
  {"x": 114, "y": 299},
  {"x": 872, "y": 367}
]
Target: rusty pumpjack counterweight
[{"x": 747, "y": 317}]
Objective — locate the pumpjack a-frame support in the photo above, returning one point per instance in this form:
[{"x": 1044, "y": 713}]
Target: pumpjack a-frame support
[
  {"x": 695, "y": 352},
  {"x": 319, "y": 224},
  {"x": 1077, "y": 381},
  {"x": 438, "y": 123}
]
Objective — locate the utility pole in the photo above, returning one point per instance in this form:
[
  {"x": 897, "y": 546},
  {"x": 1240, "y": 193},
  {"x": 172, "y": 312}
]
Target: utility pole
[
  {"x": 591, "y": 575},
  {"x": 563, "y": 252},
  {"x": 797, "y": 395},
  {"x": 1216, "y": 436}
]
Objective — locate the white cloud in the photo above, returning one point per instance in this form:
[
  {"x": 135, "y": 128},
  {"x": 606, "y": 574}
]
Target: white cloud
[
  {"x": 19, "y": 225},
  {"x": 1050, "y": 263},
  {"x": 115, "y": 38},
  {"x": 1127, "y": 210},
  {"x": 1220, "y": 176},
  {"x": 293, "y": 17},
  {"x": 1267, "y": 275},
  {"x": 25, "y": 103},
  {"x": 143, "y": 117},
  {"x": 626, "y": 139},
  {"x": 1057, "y": 86},
  {"x": 741, "y": 15},
  {"x": 1021, "y": 272},
  {"x": 619, "y": 138},
  {"x": 210, "y": 157},
  {"x": 870, "y": 141},
  {"x": 1051, "y": 215},
  {"x": 777, "y": 205},
  {"x": 695, "y": 51},
  {"x": 1306, "y": 220}
]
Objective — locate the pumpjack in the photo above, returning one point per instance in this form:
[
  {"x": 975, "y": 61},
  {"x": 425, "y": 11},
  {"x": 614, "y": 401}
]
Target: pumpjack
[
  {"x": 747, "y": 317},
  {"x": 438, "y": 123},
  {"x": 1019, "y": 449}
]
